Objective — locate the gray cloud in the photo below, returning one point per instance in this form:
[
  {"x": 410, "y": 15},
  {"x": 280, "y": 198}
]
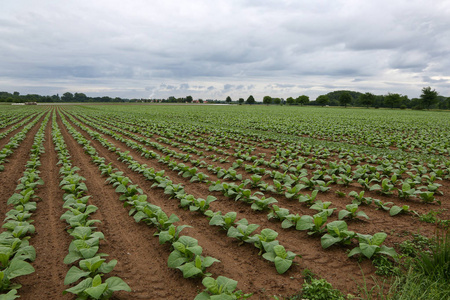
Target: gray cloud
[{"x": 212, "y": 49}]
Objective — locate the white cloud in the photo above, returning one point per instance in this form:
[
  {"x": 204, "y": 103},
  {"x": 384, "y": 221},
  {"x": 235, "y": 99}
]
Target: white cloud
[{"x": 212, "y": 49}]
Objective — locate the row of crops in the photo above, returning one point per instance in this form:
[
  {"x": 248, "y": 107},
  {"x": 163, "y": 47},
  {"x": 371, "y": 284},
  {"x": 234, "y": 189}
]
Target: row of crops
[{"x": 261, "y": 179}]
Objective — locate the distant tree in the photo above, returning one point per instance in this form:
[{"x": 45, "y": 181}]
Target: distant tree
[
  {"x": 228, "y": 100},
  {"x": 267, "y": 100},
  {"x": 428, "y": 97},
  {"x": 367, "y": 99},
  {"x": 56, "y": 98},
  {"x": 200, "y": 100},
  {"x": 322, "y": 100},
  {"x": 345, "y": 99},
  {"x": 392, "y": 100},
  {"x": 241, "y": 100},
  {"x": 290, "y": 101},
  {"x": 189, "y": 99},
  {"x": 79, "y": 97},
  {"x": 251, "y": 100},
  {"x": 106, "y": 99},
  {"x": 276, "y": 100},
  {"x": 302, "y": 100},
  {"x": 67, "y": 97}
]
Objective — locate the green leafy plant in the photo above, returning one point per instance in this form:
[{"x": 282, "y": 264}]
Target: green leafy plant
[
  {"x": 313, "y": 223},
  {"x": 351, "y": 212},
  {"x": 242, "y": 231},
  {"x": 337, "y": 232},
  {"x": 371, "y": 245},
  {"x": 263, "y": 203},
  {"x": 395, "y": 210},
  {"x": 96, "y": 289},
  {"x": 220, "y": 288},
  {"x": 323, "y": 206},
  {"x": 225, "y": 221},
  {"x": 308, "y": 199},
  {"x": 277, "y": 254},
  {"x": 278, "y": 213},
  {"x": 358, "y": 198}
]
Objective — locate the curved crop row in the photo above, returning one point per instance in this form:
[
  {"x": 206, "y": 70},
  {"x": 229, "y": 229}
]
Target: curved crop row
[
  {"x": 186, "y": 255},
  {"x": 85, "y": 245},
  {"x": 15, "y": 250}
]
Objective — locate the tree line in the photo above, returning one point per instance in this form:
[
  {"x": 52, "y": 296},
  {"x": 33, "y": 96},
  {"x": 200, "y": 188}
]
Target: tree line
[{"x": 429, "y": 99}]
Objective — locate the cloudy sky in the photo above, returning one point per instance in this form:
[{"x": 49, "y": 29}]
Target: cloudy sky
[{"x": 214, "y": 49}]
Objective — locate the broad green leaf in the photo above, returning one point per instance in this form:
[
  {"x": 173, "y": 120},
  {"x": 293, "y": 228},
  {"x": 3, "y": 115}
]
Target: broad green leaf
[
  {"x": 226, "y": 284},
  {"x": 189, "y": 270},
  {"x": 208, "y": 261},
  {"x": 176, "y": 259},
  {"x": 378, "y": 238},
  {"x": 395, "y": 210},
  {"x": 282, "y": 264},
  {"x": 368, "y": 250},
  {"x": 96, "y": 291},
  {"x": 280, "y": 251},
  {"x": 117, "y": 284},
  {"x": 79, "y": 288},
  {"x": 221, "y": 297},
  {"x": 19, "y": 268},
  {"x": 11, "y": 295},
  {"x": 211, "y": 284},
  {"x": 388, "y": 251},
  {"x": 74, "y": 274},
  {"x": 203, "y": 295},
  {"x": 327, "y": 240}
]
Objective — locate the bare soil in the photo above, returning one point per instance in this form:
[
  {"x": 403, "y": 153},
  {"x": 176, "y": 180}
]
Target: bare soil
[{"x": 142, "y": 261}]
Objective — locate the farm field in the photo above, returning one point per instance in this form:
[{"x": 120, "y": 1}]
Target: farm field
[{"x": 254, "y": 194}]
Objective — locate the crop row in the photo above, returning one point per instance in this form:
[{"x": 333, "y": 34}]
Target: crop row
[
  {"x": 337, "y": 231},
  {"x": 15, "y": 251},
  {"x": 382, "y": 178},
  {"x": 186, "y": 255},
  {"x": 241, "y": 230},
  {"x": 15, "y": 141},
  {"x": 413, "y": 132},
  {"x": 85, "y": 245}
]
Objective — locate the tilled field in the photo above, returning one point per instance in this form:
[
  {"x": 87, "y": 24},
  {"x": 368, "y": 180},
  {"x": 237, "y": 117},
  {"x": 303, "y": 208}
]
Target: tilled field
[{"x": 200, "y": 160}]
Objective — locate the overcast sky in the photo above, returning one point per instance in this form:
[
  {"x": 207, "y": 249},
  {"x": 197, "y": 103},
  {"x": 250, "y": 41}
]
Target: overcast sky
[{"x": 213, "y": 49}]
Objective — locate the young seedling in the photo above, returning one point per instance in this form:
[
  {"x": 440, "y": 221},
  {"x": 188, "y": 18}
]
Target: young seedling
[
  {"x": 323, "y": 206},
  {"x": 277, "y": 213},
  {"x": 371, "y": 245},
  {"x": 277, "y": 254},
  {"x": 313, "y": 223},
  {"x": 220, "y": 288},
  {"x": 351, "y": 212},
  {"x": 337, "y": 232}
]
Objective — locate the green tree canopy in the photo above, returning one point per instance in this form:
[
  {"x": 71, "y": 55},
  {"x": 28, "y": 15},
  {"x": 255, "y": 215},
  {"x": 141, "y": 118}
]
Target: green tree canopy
[
  {"x": 267, "y": 100},
  {"x": 392, "y": 100},
  {"x": 228, "y": 100},
  {"x": 189, "y": 99},
  {"x": 302, "y": 100},
  {"x": 290, "y": 101},
  {"x": 322, "y": 100},
  {"x": 428, "y": 97},
  {"x": 367, "y": 99},
  {"x": 67, "y": 97},
  {"x": 345, "y": 99},
  {"x": 251, "y": 100}
]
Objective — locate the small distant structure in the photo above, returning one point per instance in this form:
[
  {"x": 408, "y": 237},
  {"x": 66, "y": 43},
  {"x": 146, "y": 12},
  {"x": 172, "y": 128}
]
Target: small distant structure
[{"x": 30, "y": 103}]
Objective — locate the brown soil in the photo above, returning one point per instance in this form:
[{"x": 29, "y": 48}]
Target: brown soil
[{"x": 142, "y": 261}]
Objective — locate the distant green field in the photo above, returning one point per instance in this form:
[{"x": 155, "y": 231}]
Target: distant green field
[{"x": 410, "y": 132}]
